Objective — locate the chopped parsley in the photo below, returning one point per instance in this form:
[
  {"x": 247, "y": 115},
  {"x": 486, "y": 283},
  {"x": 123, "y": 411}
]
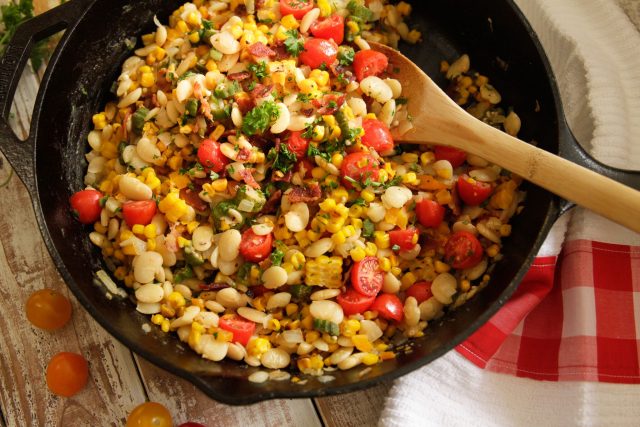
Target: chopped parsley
[
  {"x": 258, "y": 70},
  {"x": 367, "y": 228},
  {"x": 292, "y": 43},
  {"x": 258, "y": 119},
  {"x": 345, "y": 55},
  {"x": 313, "y": 151},
  {"x": 276, "y": 257},
  {"x": 359, "y": 12},
  {"x": 358, "y": 202},
  {"x": 283, "y": 159}
]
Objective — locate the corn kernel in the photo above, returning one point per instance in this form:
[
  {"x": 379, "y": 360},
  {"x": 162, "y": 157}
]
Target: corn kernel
[
  {"x": 371, "y": 249},
  {"x": 129, "y": 250},
  {"x": 311, "y": 336},
  {"x": 258, "y": 346},
  {"x": 308, "y": 86},
  {"x": 387, "y": 355},
  {"x": 165, "y": 325},
  {"x": 289, "y": 22},
  {"x": 320, "y": 76},
  {"x": 465, "y": 285},
  {"x": 328, "y": 205},
  {"x": 138, "y": 229},
  {"x": 157, "y": 319},
  {"x": 176, "y": 299},
  {"x": 298, "y": 260},
  {"x": 353, "y": 26},
  {"x": 441, "y": 267},
  {"x": 357, "y": 254},
  {"x": 194, "y": 37},
  {"x": 337, "y": 159},
  {"x": 151, "y": 244},
  {"x": 407, "y": 280},
  {"x": 335, "y": 225},
  {"x": 370, "y": 359},
  {"x": 339, "y": 238},
  {"x": 350, "y": 327},
  {"x": 382, "y": 240},
  {"x": 181, "y": 26},
  {"x": 274, "y": 325},
  {"x": 325, "y": 8},
  {"x": 362, "y": 343},
  {"x": 427, "y": 158},
  {"x": 224, "y": 336},
  {"x": 99, "y": 121},
  {"x": 318, "y": 173},
  {"x": 291, "y": 309},
  {"x": 367, "y": 195}
]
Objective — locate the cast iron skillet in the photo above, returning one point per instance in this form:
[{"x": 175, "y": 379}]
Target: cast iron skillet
[{"x": 76, "y": 84}]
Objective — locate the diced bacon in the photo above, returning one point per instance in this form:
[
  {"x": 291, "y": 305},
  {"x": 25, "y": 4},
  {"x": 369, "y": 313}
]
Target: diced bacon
[
  {"x": 245, "y": 103},
  {"x": 309, "y": 194},
  {"x": 261, "y": 50},
  {"x": 323, "y": 105},
  {"x": 243, "y": 155},
  {"x": 248, "y": 178},
  {"x": 205, "y": 107},
  {"x": 242, "y": 75},
  {"x": 272, "y": 203},
  {"x": 260, "y": 91},
  {"x": 193, "y": 199}
]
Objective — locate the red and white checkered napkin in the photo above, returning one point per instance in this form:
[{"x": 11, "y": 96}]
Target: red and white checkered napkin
[{"x": 575, "y": 316}]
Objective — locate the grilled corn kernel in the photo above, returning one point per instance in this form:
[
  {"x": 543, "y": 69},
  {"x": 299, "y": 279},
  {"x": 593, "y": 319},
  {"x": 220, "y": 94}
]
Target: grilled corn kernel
[
  {"x": 289, "y": 22},
  {"x": 382, "y": 240},
  {"x": 408, "y": 279},
  {"x": 367, "y": 195},
  {"x": 441, "y": 267},
  {"x": 176, "y": 299},
  {"x": 320, "y": 76},
  {"x": 357, "y": 254},
  {"x": 258, "y": 346},
  {"x": 308, "y": 86},
  {"x": 99, "y": 121},
  {"x": 362, "y": 343},
  {"x": 325, "y": 8},
  {"x": 370, "y": 359},
  {"x": 328, "y": 205},
  {"x": 337, "y": 159},
  {"x": 371, "y": 249},
  {"x": 350, "y": 327}
]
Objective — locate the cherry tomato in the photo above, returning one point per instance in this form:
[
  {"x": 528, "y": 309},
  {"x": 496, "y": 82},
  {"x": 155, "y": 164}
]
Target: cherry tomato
[
  {"x": 210, "y": 156},
  {"x": 138, "y": 212},
  {"x": 149, "y": 414},
  {"x": 48, "y": 309},
  {"x": 330, "y": 28},
  {"x": 377, "y": 135},
  {"x": 67, "y": 374},
  {"x": 389, "y": 307},
  {"x": 191, "y": 424},
  {"x": 297, "y": 144},
  {"x": 369, "y": 63},
  {"x": 297, "y": 8},
  {"x": 240, "y": 328},
  {"x": 319, "y": 51},
  {"x": 86, "y": 205},
  {"x": 359, "y": 167},
  {"x": 255, "y": 248},
  {"x": 353, "y": 302},
  {"x": 473, "y": 192},
  {"x": 404, "y": 239},
  {"x": 463, "y": 250},
  {"x": 366, "y": 276},
  {"x": 456, "y": 157},
  {"x": 421, "y": 291},
  {"x": 429, "y": 213}
]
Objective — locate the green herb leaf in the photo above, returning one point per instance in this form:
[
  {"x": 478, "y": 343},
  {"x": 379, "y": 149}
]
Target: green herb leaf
[
  {"x": 258, "y": 119},
  {"x": 292, "y": 43},
  {"x": 345, "y": 55},
  {"x": 367, "y": 228},
  {"x": 259, "y": 70},
  {"x": 137, "y": 120},
  {"x": 276, "y": 257},
  {"x": 283, "y": 159},
  {"x": 359, "y": 12}
]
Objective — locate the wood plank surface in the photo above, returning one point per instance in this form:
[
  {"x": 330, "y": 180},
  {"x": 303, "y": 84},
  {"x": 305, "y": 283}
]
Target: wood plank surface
[{"x": 357, "y": 409}]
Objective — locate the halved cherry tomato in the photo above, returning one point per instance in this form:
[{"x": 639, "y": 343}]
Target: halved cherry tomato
[
  {"x": 353, "y": 302},
  {"x": 453, "y": 155},
  {"x": 149, "y": 414},
  {"x": 319, "y": 51},
  {"x": 376, "y": 135},
  {"x": 210, "y": 156},
  {"x": 138, "y": 212},
  {"x": 255, "y": 248},
  {"x": 421, "y": 291},
  {"x": 86, "y": 205},
  {"x": 366, "y": 276},
  {"x": 429, "y": 213},
  {"x": 241, "y": 329},
  {"x": 388, "y": 307},
  {"x": 359, "y": 167},
  {"x": 463, "y": 250},
  {"x": 67, "y": 374},
  {"x": 473, "y": 192},
  {"x": 404, "y": 239},
  {"x": 330, "y": 28},
  {"x": 48, "y": 309},
  {"x": 369, "y": 63},
  {"x": 297, "y": 144},
  {"x": 297, "y": 8}
]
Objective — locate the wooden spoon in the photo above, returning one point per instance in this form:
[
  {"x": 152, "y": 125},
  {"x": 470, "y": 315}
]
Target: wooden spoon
[{"x": 439, "y": 120}]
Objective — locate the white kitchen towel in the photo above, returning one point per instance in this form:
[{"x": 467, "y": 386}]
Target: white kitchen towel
[{"x": 593, "y": 48}]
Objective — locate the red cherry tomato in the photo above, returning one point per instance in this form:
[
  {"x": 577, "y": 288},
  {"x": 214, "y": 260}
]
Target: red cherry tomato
[
  {"x": 456, "y": 157},
  {"x": 210, "y": 156},
  {"x": 241, "y": 329},
  {"x": 463, "y": 250},
  {"x": 404, "y": 239},
  {"x": 149, "y": 414},
  {"x": 67, "y": 374},
  {"x": 353, "y": 302},
  {"x": 366, "y": 276},
  {"x": 421, "y": 291},
  {"x": 369, "y": 63},
  {"x": 191, "y": 424},
  {"x": 389, "y": 307},
  {"x": 297, "y": 144},
  {"x": 473, "y": 192},
  {"x": 297, "y": 8},
  {"x": 359, "y": 167},
  {"x": 255, "y": 248},
  {"x": 330, "y": 28},
  {"x": 138, "y": 212},
  {"x": 48, "y": 309},
  {"x": 319, "y": 51},
  {"x": 376, "y": 135},
  {"x": 429, "y": 213},
  {"x": 86, "y": 205}
]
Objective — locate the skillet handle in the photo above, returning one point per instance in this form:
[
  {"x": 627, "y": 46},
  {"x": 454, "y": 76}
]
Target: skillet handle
[{"x": 21, "y": 153}]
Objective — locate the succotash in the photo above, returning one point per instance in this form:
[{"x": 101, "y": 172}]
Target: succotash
[{"x": 244, "y": 185}]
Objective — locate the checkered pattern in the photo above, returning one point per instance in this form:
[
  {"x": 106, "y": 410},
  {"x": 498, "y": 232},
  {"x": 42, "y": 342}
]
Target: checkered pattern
[{"x": 586, "y": 327}]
